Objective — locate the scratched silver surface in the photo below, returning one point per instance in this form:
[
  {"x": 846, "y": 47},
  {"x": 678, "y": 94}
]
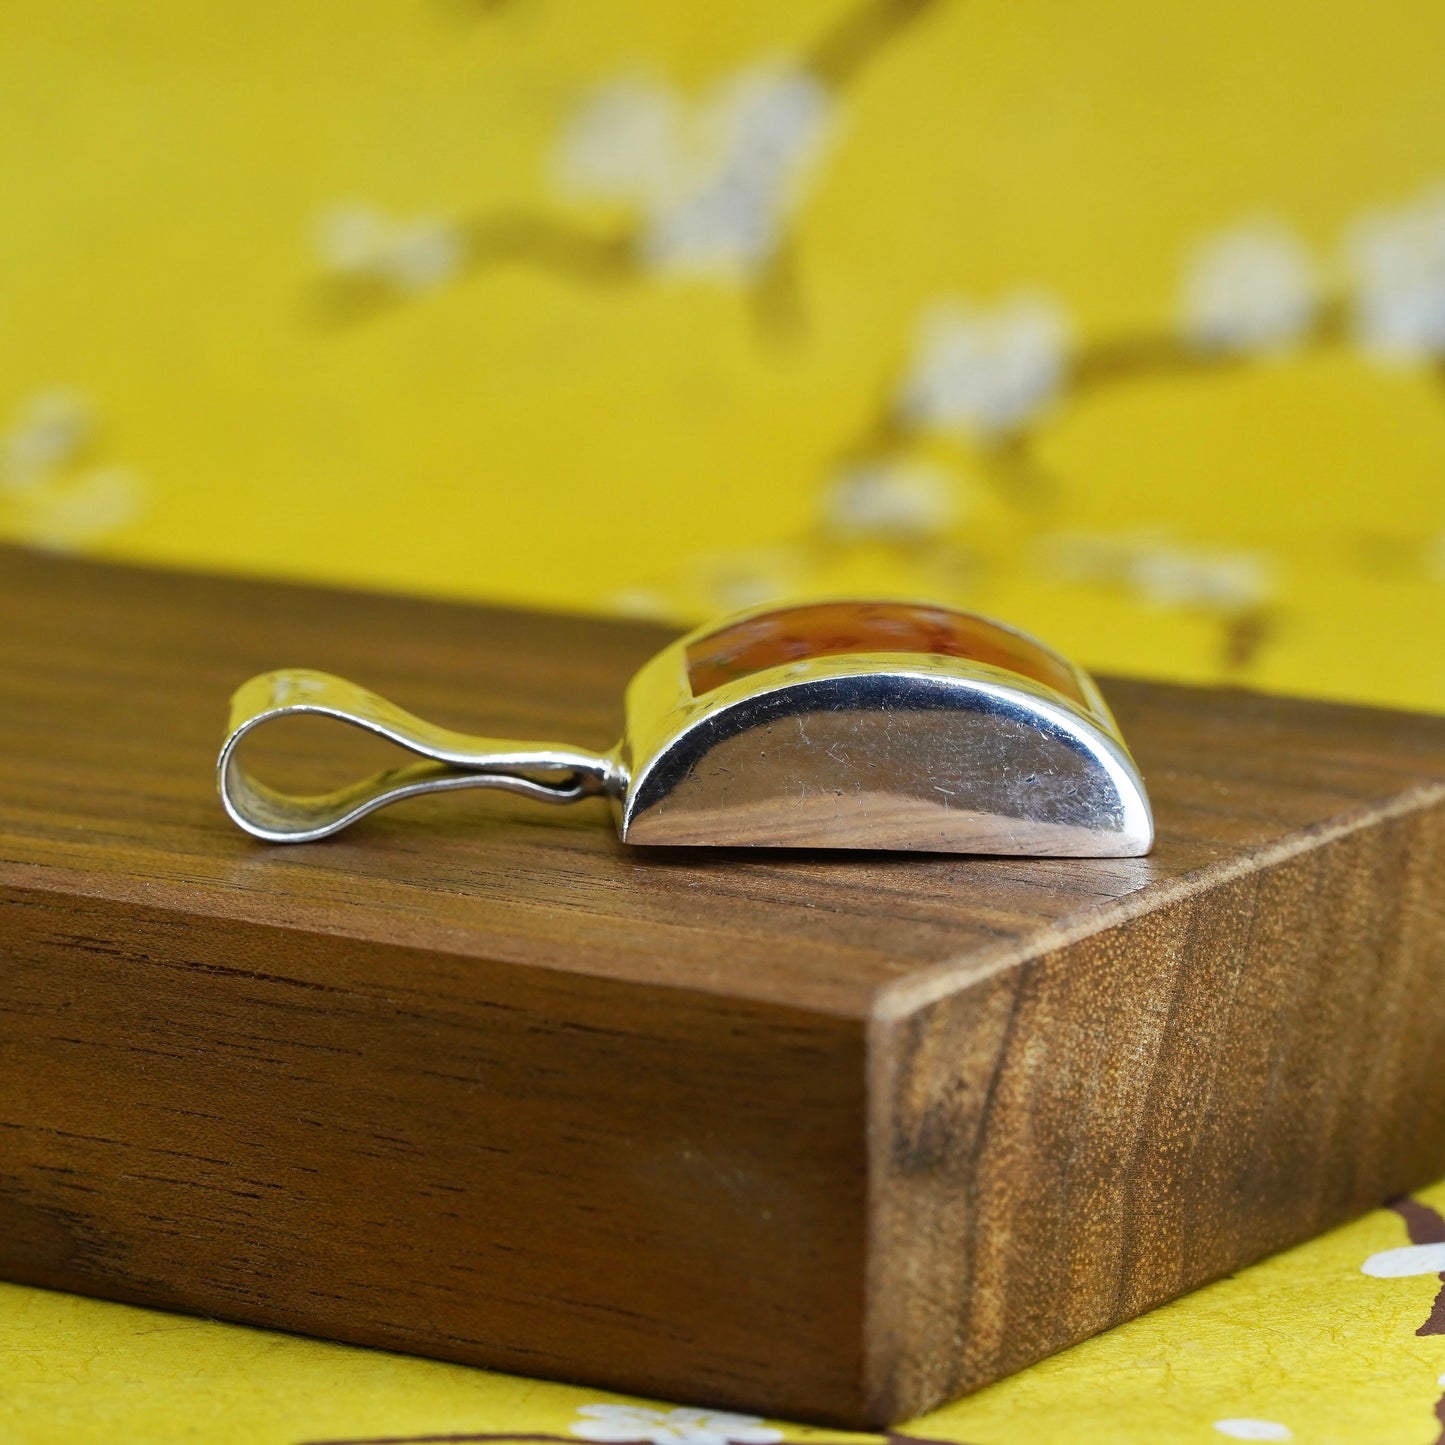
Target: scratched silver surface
[{"x": 942, "y": 756}]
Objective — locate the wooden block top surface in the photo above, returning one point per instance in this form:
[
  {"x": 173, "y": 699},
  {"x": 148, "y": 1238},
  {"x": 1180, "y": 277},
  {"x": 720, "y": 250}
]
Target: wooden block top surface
[{"x": 113, "y": 697}]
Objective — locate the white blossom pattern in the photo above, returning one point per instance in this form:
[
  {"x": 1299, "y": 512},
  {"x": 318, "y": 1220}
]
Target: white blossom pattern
[
  {"x": 51, "y": 498},
  {"x": 624, "y": 143},
  {"x": 890, "y": 501},
  {"x": 1161, "y": 573},
  {"x": 620, "y": 1423},
  {"x": 69, "y": 515},
  {"x": 714, "y": 183},
  {"x": 1249, "y": 289},
  {"x": 1242, "y": 1428},
  {"x": 360, "y": 242},
  {"x": 1408, "y": 1260},
  {"x": 985, "y": 371},
  {"x": 1223, "y": 580},
  {"x": 646, "y": 604},
  {"x": 1398, "y": 259},
  {"x": 50, "y": 431}
]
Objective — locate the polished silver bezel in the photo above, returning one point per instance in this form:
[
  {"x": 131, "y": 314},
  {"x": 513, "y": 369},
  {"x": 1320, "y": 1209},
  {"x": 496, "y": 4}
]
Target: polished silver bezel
[{"x": 679, "y": 782}]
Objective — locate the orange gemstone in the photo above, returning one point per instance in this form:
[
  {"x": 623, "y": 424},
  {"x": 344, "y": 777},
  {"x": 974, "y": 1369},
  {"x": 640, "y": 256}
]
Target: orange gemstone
[{"x": 835, "y": 629}]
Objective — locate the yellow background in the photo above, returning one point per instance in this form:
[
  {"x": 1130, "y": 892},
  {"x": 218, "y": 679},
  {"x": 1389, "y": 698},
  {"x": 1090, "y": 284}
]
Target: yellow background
[{"x": 524, "y": 436}]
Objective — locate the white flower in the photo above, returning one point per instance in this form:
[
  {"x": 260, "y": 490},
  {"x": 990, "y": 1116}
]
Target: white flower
[
  {"x": 1221, "y": 581},
  {"x": 361, "y": 242},
  {"x": 350, "y": 238},
  {"x": 1409, "y": 1259},
  {"x": 1161, "y": 573},
  {"x": 424, "y": 253},
  {"x": 1252, "y": 288},
  {"x": 764, "y": 132},
  {"x": 714, "y": 182},
  {"x": 985, "y": 370},
  {"x": 64, "y": 516},
  {"x": 50, "y": 430},
  {"x": 889, "y": 502},
  {"x": 647, "y": 604},
  {"x": 672, "y": 1427},
  {"x": 625, "y": 143},
  {"x": 1398, "y": 259},
  {"x": 1245, "y": 1429}
]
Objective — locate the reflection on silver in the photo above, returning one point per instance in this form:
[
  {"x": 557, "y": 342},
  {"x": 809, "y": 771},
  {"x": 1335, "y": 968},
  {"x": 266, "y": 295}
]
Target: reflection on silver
[
  {"x": 889, "y": 750},
  {"x": 548, "y": 772}
]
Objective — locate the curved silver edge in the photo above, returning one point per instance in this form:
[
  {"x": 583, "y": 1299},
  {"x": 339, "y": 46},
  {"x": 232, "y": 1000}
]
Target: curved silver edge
[{"x": 999, "y": 690}]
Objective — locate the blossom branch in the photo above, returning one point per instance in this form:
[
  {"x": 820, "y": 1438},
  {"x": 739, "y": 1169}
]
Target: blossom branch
[
  {"x": 860, "y": 36},
  {"x": 708, "y": 188}
]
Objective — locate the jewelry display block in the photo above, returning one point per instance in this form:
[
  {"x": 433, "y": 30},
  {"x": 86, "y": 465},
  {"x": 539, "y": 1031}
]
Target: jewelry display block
[{"x": 829, "y": 1136}]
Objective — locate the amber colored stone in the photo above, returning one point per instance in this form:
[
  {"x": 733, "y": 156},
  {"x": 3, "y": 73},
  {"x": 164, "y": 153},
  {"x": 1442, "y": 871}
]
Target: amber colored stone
[{"x": 835, "y": 629}]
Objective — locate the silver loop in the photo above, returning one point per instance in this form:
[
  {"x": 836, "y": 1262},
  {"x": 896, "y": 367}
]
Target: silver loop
[{"x": 545, "y": 772}]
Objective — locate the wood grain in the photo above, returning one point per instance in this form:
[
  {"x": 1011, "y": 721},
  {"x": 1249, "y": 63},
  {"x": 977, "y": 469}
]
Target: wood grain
[{"x": 827, "y": 1136}]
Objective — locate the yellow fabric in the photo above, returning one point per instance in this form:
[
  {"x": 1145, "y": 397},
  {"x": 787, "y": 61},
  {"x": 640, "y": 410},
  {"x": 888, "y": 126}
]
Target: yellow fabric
[
  {"x": 477, "y": 383},
  {"x": 558, "y": 433}
]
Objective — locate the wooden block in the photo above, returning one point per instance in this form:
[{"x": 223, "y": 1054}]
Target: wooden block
[{"x": 825, "y": 1136}]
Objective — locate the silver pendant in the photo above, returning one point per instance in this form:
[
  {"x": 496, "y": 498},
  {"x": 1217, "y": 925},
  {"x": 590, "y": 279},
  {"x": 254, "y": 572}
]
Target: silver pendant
[{"x": 822, "y": 725}]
